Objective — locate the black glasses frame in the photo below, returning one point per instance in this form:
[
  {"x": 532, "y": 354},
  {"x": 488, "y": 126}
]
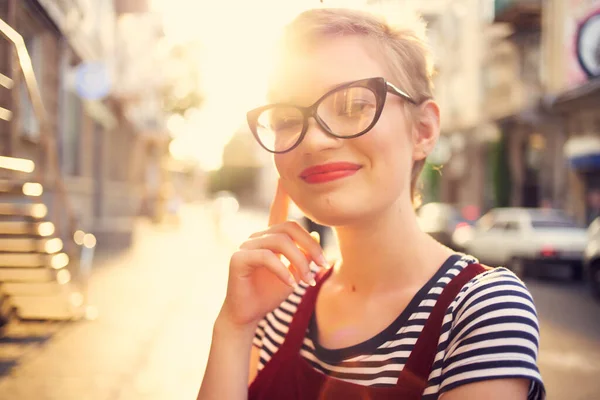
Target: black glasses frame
[{"x": 379, "y": 86}]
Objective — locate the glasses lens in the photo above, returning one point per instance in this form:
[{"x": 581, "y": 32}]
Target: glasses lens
[
  {"x": 348, "y": 111},
  {"x": 279, "y": 128}
]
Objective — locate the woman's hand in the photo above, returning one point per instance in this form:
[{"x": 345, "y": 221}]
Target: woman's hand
[{"x": 258, "y": 279}]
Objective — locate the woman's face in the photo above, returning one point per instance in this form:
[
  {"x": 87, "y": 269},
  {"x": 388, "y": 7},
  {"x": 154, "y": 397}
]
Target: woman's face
[{"x": 377, "y": 165}]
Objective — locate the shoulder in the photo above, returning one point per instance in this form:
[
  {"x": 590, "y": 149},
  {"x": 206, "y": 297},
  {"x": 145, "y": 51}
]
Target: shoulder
[
  {"x": 493, "y": 333},
  {"x": 496, "y": 289}
]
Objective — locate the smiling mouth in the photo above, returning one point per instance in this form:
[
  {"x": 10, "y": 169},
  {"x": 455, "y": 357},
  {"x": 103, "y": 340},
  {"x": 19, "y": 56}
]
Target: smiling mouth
[{"x": 329, "y": 172}]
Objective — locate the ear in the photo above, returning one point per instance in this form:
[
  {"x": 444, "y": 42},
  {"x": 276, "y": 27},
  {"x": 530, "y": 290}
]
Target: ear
[{"x": 426, "y": 129}]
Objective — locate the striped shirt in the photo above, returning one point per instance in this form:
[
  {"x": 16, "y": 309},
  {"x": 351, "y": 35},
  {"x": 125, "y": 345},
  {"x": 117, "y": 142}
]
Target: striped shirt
[{"x": 490, "y": 331}]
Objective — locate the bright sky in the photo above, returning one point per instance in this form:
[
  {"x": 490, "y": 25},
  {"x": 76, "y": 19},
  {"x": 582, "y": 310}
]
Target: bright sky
[{"x": 237, "y": 38}]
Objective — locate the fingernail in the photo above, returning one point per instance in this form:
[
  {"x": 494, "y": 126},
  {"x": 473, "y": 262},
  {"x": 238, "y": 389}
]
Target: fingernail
[
  {"x": 291, "y": 281},
  {"x": 310, "y": 279},
  {"x": 315, "y": 235}
]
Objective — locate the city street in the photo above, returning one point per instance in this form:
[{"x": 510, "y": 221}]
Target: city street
[
  {"x": 156, "y": 304},
  {"x": 570, "y": 339},
  {"x": 115, "y": 115}
]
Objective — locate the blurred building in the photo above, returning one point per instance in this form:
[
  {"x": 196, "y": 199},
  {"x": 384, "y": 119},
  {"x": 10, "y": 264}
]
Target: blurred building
[
  {"x": 458, "y": 33},
  {"x": 141, "y": 76},
  {"x": 487, "y": 84},
  {"x": 540, "y": 99},
  {"x": 572, "y": 81},
  {"x": 520, "y": 120},
  {"x": 103, "y": 114},
  {"x": 456, "y": 30},
  {"x": 248, "y": 170},
  {"x": 534, "y": 140},
  {"x": 519, "y": 167}
]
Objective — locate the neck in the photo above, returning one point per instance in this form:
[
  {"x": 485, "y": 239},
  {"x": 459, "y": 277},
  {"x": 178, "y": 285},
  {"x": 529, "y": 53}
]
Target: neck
[{"x": 387, "y": 251}]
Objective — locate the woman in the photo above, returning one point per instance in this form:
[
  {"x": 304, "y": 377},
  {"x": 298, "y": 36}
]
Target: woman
[{"x": 399, "y": 316}]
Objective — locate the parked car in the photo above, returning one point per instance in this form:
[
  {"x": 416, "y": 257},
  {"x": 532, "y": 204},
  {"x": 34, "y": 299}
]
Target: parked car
[
  {"x": 527, "y": 240},
  {"x": 591, "y": 258},
  {"x": 440, "y": 220}
]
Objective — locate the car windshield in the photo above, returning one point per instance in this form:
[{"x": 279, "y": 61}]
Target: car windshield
[
  {"x": 437, "y": 211},
  {"x": 552, "y": 221}
]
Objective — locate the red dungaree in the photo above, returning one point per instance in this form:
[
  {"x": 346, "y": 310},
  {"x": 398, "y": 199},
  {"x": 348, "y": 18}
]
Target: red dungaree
[{"x": 288, "y": 376}]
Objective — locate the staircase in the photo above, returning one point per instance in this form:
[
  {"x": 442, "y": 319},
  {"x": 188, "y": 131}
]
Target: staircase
[
  {"x": 39, "y": 261},
  {"x": 36, "y": 273}
]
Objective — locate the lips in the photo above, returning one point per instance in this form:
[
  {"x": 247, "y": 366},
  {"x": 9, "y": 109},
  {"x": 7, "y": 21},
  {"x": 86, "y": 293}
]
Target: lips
[{"x": 329, "y": 172}]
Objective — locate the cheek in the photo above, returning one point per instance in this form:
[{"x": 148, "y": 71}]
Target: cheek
[
  {"x": 283, "y": 164},
  {"x": 287, "y": 168},
  {"x": 390, "y": 151}
]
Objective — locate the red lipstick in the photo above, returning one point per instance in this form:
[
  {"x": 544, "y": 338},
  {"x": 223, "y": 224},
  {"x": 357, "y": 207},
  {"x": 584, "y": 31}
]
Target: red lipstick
[{"x": 329, "y": 172}]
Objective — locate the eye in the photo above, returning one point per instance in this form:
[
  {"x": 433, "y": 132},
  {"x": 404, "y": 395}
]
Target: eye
[
  {"x": 356, "y": 107},
  {"x": 285, "y": 122},
  {"x": 280, "y": 119},
  {"x": 354, "y": 102}
]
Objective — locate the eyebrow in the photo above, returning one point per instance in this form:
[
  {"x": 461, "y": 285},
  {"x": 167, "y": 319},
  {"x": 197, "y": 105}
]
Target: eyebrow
[{"x": 291, "y": 100}]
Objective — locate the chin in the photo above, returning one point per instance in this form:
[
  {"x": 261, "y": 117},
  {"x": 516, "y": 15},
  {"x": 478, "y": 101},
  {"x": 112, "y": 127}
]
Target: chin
[
  {"x": 340, "y": 214},
  {"x": 333, "y": 219}
]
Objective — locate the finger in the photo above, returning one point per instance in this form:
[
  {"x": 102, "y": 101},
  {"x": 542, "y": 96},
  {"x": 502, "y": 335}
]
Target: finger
[
  {"x": 303, "y": 240},
  {"x": 281, "y": 243},
  {"x": 264, "y": 258},
  {"x": 295, "y": 272},
  {"x": 280, "y": 206}
]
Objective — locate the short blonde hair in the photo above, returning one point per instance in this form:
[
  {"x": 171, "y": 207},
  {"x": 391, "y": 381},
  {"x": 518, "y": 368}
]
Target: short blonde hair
[{"x": 402, "y": 49}]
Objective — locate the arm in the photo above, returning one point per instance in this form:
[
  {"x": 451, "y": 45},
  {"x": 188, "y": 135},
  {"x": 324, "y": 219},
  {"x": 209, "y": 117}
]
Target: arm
[
  {"x": 258, "y": 282},
  {"x": 227, "y": 370},
  {"x": 499, "y": 389}
]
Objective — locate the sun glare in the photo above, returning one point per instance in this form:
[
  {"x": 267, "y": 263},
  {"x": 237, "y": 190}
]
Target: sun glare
[{"x": 236, "y": 39}]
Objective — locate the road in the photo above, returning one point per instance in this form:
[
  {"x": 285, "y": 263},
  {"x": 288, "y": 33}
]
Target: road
[
  {"x": 156, "y": 304},
  {"x": 570, "y": 339}
]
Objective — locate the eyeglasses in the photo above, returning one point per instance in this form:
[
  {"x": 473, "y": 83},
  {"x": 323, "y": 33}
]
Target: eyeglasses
[{"x": 347, "y": 111}]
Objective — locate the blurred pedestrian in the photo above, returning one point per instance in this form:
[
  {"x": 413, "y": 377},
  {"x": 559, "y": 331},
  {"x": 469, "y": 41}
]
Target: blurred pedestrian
[{"x": 399, "y": 316}]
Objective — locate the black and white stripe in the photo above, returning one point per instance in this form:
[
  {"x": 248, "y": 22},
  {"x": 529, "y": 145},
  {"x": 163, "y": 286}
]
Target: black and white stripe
[{"x": 490, "y": 331}]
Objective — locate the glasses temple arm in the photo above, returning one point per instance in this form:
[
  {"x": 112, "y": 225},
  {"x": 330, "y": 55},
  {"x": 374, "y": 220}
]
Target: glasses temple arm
[{"x": 392, "y": 88}]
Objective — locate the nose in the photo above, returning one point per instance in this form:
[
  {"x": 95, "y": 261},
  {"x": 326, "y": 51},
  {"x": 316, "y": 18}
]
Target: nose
[{"x": 317, "y": 139}]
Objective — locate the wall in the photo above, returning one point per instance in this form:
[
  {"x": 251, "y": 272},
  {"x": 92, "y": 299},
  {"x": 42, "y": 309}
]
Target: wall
[
  {"x": 577, "y": 116},
  {"x": 99, "y": 182},
  {"x": 560, "y": 21}
]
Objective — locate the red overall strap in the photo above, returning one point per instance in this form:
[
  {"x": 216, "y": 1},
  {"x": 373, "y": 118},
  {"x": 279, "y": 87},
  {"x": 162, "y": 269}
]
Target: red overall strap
[
  {"x": 419, "y": 363},
  {"x": 297, "y": 329}
]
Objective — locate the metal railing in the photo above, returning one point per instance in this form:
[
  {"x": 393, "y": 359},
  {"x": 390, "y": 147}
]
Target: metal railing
[
  {"x": 502, "y": 5},
  {"x": 49, "y": 174}
]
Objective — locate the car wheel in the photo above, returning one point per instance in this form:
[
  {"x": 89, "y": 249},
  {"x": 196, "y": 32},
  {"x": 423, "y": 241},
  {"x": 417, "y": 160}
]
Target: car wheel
[
  {"x": 595, "y": 278},
  {"x": 577, "y": 272},
  {"x": 517, "y": 266}
]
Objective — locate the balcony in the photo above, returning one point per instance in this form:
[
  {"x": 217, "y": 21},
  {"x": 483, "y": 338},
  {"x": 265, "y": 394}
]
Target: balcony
[{"x": 522, "y": 14}]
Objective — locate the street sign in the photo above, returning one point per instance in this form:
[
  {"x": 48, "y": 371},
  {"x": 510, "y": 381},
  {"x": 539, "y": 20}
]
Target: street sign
[
  {"x": 588, "y": 45},
  {"x": 92, "y": 80}
]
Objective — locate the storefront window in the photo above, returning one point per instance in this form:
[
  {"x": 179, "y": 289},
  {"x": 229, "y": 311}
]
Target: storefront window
[
  {"x": 71, "y": 112},
  {"x": 29, "y": 123}
]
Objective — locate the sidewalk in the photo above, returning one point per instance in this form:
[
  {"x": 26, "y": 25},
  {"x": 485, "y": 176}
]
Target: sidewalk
[{"x": 156, "y": 307}]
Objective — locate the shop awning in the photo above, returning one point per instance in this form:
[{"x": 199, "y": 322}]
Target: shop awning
[
  {"x": 571, "y": 98},
  {"x": 583, "y": 152}
]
